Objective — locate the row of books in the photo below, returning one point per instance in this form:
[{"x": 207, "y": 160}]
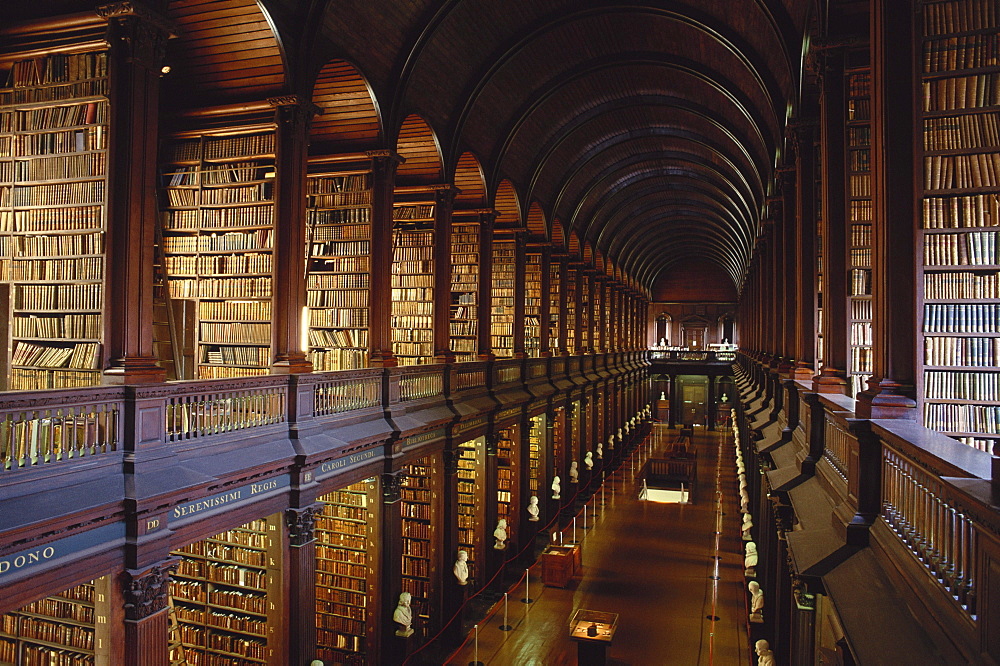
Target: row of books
[
  {"x": 977, "y": 130},
  {"x": 339, "y": 317},
  {"x": 216, "y": 148},
  {"x": 861, "y": 333},
  {"x": 962, "y": 418},
  {"x": 52, "y": 246},
  {"x": 55, "y": 270},
  {"x": 961, "y": 92},
  {"x": 77, "y": 218},
  {"x": 259, "y": 239},
  {"x": 81, "y": 355},
  {"x": 975, "y": 210},
  {"x": 412, "y": 212},
  {"x": 961, "y": 352},
  {"x": 861, "y": 282},
  {"x": 226, "y": 355},
  {"x": 974, "y": 248},
  {"x": 961, "y": 318},
  {"x": 859, "y": 185},
  {"x": 860, "y": 160},
  {"x": 338, "y": 338},
  {"x": 81, "y": 139},
  {"x": 320, "y": 220},
  {"x": 59, "y": 194},
  {"x": 58, "y": 297},
  {"x": 58, "y": 68},
  {"x": 339, "y": 264},
  {"x": 63, "y": 116},
  {"x": 943, "y": 172},
  {"x": 235, "y": 310},
  {"x": 959, "y": 16},
  {"x": 219, "y": 264},
  {"x": 347, "y": 183},
  {"x": 85, "y": 166},
  {"x": 861, "y": 257},
  {"x": 861, "y": 360},
  {"x": 345, "y": 199},
  {"x": 964, "y": 284},
  {"x": 218, "y": 218},
  {"x": 960, "y": 52},
  {"x": 259, "y": 287},
  {"x": 410, "y": 281},
  {"x": 342, "y": 232},
  {"x": 222, "y": 372},
  {"x": 978, "y": 386},
  {"x": 22, "y": 379},
  {"x": 236, "y": 332},
  {"x": 860, "y": 210}
]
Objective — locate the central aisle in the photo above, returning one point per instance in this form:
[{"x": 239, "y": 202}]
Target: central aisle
[{"x": 654, "y": 565}]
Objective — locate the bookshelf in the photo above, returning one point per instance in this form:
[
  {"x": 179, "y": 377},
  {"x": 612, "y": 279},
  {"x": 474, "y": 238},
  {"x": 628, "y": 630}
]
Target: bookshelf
[
  {"x": 597, "y": 312},
  {"x": 413, "y": 282},
  {"x": 338, "y": 265},
  {"x": 570, "y": 299},
  {"x": 502, "y": 304},
  {"x": 347, "y": 574},
  {"x": 583, "y": 308},
  {"x": 537, "y": 481},
  {"x": 226, "y": 595},
  {"x": 464, "y": 322},
  {"x": 508, "y": 499},
  {"x": 54, "y": 116},
  {"x": 859, "y": 182},
  {"x": 959, "y": 387},
  {"x": 533, "y": 304},
  {"x": 559, "y": 463},
  {"x": 471, "y": 494},
  {"x": 67, "y": 629},
  {"x": 218, "y": 224},
  {"x": 420, "y": 513},
  {"x": 820, "y": 232},
  {"x": 555, "y": 305}
]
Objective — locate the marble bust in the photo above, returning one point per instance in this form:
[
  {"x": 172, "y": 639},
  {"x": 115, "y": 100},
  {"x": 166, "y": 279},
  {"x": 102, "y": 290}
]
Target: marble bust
[
  {"x": 574, "y": 472},
  {"x": 750, "y": 560},
  {"x": 500, "y": 535},
  {"x": 556, "y": 487},
  {"x": 461, "y": 569},
  {"x": 747, "y": 524},
  {"x": 600, "y": 451},
  {"x": 588, "y": 460},
  {"x": 756, "y": 602},
  {"x": 765, "y": 656},
  {"x": 533, "y": 508},
  {"x": 403, "y": 616}
]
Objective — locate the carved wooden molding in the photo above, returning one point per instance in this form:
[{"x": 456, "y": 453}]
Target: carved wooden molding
[
  {"x": 301, "y": 524},
  {"x": 146, "y": 591}
]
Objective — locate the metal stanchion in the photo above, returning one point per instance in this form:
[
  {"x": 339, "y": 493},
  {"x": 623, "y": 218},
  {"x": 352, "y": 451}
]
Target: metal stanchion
[
  {"x": 476, "y": 661},
  {"x": 527, "y": 594},
  {"x": 506, "y": 625}
]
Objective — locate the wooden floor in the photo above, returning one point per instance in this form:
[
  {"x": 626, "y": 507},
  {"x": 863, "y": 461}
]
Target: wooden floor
[{"x": 653, "y": 564}]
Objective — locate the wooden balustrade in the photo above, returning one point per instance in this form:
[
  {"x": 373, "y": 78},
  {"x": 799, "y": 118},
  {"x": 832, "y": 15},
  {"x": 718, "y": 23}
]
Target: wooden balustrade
[
  {"x": 347, "y": 391},
  {"x": 59, "y": 426},
  {"x": 202, "y": 408},
  {"x": 918, "y": 509},
  {"x": 416, "y": 382},
  {"x": 837, "y": 445}
]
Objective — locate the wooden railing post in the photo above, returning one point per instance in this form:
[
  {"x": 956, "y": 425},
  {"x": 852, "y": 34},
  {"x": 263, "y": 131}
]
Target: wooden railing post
[{"x": 864, "y": 481}]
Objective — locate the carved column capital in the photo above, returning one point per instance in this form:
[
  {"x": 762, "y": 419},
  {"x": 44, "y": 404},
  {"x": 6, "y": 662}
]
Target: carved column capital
[
  {"x": 301, "y": 524},
  {"x": 392, "y": 484},
  {"x": 140, "y": 30},
  {"x": 450, "y": 458},
  {"x": 146, "y": 591}
]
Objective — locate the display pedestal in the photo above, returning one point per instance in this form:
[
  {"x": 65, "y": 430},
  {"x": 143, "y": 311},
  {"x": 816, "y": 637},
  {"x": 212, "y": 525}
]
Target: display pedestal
[
  {"x": 560, "y": 564},
  {"x": 593, "y": 632}
]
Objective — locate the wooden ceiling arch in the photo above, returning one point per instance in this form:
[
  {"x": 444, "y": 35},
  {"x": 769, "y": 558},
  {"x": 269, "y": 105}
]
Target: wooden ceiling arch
[
  {"x": 418, "y": 144},
  {"x": 350, "y": 120},
  {"x": 508, "y": 205},
  {"x": 470, "y": 182}
]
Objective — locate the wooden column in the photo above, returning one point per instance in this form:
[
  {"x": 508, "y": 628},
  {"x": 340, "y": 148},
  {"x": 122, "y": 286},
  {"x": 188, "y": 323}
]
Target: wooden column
[
  {"x": 300, "y": 560},
  {"x": 146, "y": 594},
  {"x": 492, "y": 558},
  {"x": 393, "y": 648},
  {"x": 384, "y": 165},
  {"x": 137, "y": 37},
  {"x": 895, "y": 211},
  {"x": 545, "y": 310},
  {"x": 444, "y": 198},
  {"x": 453, "y": 594},
  {"x": 833, "y": 124},
  {"x": 292, "y": 117},
  {"x": 520, "y": 241},
  {"x": 805, "y": 250},
  {"x": 787, "y": 267},
  {"x": 485, "y": 296}
]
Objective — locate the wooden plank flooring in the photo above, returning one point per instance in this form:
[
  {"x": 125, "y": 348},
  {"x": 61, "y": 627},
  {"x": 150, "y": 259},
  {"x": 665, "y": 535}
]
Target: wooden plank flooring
[{"x": 651, "y": 563}]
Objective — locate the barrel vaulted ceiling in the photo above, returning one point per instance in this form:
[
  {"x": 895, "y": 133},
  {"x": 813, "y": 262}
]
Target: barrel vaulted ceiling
[{"x": 648, "y": 130}]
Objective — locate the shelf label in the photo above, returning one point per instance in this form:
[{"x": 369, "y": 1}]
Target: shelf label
[
  {"x": 330, "y": 467},
  {"x": 423, "y": 438},
  {"x": 235, "y": 496}
]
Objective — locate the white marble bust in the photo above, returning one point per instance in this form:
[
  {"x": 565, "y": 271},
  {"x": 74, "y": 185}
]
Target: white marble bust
[
  {"x": 747, "y": 524},
  {"x": 533, "y": 509},
  {"x": 600, "y": 451},
  {"x": 750, "y": 560},
  {"x": 403, "y": 616},
  {"x": 556, "y": 487},
  {"x": 756, "y": 602},
  {"x": 765, "y": 656},
  {"x": 500, "y": 535},
  {"x": 461, "y": 569},
  {"x": 574, "y": 472},
  {"x": 588, "y": 460}
]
